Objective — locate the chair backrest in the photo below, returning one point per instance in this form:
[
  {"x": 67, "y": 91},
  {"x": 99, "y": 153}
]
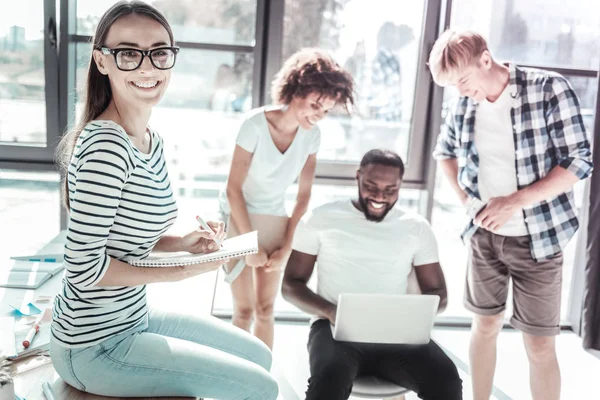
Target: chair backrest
[{"x": 371, "y": 387}]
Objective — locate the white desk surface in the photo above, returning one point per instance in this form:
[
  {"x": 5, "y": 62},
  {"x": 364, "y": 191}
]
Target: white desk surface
[
  {"x": 29, "y": 383},
  {"x": 21, "y": 297}
]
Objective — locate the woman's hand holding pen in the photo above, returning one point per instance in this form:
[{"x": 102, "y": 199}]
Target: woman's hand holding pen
[{"x": 204, "y": 241}]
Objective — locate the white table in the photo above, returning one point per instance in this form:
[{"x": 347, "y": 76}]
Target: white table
[
  {"x": 29, "y": 383},
  {"x": 21, "y": 297}
]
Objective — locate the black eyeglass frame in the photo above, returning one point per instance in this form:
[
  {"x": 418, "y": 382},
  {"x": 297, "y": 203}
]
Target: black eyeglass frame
[{"x": 144, "y": 53}]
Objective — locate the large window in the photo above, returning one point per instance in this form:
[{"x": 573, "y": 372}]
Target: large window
[
  {"x": 219, "y": 76},
  {"x": 541, "y": 32},
  {"x": 212, "y": 85},
  {"x": 22, "y": 81},
  {"x": 228, "y": 22},
  {"x": 383, "y": 53},
  {"x": 28, "y": 64},
  {"x": 230, "y": 51},
  {"x": 511, "y": 27}
]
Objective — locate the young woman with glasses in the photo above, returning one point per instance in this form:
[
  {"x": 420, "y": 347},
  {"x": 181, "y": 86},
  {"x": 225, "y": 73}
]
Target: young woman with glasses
[{"x": 105, "y": 338}]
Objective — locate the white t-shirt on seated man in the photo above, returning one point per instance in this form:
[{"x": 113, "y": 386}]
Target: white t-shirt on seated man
[
  {"x": 355, "y": 255},
  {"x": 366, "y": 245}
]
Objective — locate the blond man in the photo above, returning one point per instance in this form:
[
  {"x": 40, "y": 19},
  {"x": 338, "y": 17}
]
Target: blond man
[{"x": 512, "y": 148}]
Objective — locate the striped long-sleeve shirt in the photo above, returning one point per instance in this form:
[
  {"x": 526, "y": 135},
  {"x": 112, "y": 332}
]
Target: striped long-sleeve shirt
[{"x": 121, "y": 204}]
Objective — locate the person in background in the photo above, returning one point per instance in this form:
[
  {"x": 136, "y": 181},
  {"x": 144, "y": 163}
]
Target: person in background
[
  {"x": 277, "y": 145},
  {"x": 367, "y": 245},
  {"x": 384, "y": 100},
  {"x": 105, "y": 338},
  {"x": 512, "y": 147},
  {"x": 223, "y": 93}
]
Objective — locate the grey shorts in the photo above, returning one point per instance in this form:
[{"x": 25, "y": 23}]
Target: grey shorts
[{"x": 537, "y": 286}]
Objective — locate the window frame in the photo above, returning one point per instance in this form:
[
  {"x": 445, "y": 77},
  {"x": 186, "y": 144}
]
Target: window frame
[
  {"x": 41, "y": 157},
  {"x": 68, "y": 57},
  {"x": 71, "y": 38},
  {"x": 575, "y": 296},
  {"x": 343, "y": 172},
  {"x": 267, "y": 50}
]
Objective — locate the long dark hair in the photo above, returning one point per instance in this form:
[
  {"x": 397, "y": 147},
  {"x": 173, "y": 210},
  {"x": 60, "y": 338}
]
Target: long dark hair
[{"x": 97, "y": 92}]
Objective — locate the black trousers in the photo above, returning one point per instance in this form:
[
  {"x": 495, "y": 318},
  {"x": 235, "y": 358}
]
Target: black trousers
[{"x": 424, "y": 369}]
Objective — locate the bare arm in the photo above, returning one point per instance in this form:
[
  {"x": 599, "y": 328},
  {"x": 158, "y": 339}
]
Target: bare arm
[
  {"x": 449, "y": 167},
  {"x": 120, "y": 273},
  {"x": 558, "y": 181},
  {"x": 569, "y": 138},
  {"x": 277, "y": 258},
  {"x": 295, "y": 290},
  {"x": 197, "y": 241},
  {"x": 239, "y": 171},
  {"x": 169, "y": 243},
  {"x": 499, "y": 209},
  {"x": 307, "y": 177},
  {"x": 431, "y": 280}
]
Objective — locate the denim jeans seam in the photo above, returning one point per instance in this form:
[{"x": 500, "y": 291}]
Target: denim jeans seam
[
  {"x": 72, "y": 370},
  {"x": 234, "y": 352},
  {"x": 105, "y": 354}
]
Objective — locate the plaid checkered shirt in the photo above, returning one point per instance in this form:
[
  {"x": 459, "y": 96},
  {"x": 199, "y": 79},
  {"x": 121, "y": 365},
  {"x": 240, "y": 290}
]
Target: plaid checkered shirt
[{"x": 548, "y": 131}]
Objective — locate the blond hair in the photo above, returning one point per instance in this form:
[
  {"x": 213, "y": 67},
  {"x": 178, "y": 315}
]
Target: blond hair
[{"x": 452, "y": 52}]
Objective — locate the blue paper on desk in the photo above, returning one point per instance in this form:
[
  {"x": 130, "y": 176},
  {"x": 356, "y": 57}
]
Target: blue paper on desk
[
  {"x": 27, "y": 275},
  {"x": 25, "y": 311},
  {"x": 48, "y": 258}
]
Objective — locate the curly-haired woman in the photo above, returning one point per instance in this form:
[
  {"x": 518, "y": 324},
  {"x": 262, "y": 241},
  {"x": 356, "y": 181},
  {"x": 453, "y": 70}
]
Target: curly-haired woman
[{"x": 276, "y": 146}]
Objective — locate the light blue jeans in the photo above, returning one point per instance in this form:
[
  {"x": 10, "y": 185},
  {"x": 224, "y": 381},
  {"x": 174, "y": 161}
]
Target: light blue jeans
[{"x": 172, "y": 355}]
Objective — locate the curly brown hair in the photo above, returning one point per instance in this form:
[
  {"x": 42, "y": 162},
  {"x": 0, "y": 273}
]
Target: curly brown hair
[{"x": 313, "y": 71}]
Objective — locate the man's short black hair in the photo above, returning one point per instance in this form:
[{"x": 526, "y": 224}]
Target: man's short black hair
[{"x": 383, "y": 157}]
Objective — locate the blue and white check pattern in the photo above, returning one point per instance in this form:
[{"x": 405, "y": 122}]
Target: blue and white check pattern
[
  {"x": 385, "y": 81},
  {"x": 548, "y": 131}
]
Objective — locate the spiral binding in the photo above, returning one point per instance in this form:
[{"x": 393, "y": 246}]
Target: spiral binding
[{"x": 185, "y": 261}]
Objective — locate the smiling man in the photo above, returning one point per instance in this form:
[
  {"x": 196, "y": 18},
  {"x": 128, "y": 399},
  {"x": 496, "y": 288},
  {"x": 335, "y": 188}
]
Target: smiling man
[
  {"x": 514, "y": 142},
  {"x": 367, "y": 245}
]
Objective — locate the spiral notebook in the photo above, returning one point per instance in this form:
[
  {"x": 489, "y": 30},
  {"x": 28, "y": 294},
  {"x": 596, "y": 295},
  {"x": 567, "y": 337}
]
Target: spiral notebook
[{"x": 238, "y": 246}]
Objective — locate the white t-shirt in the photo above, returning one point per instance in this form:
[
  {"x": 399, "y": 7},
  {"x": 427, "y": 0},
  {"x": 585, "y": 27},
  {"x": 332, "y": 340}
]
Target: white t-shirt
[
  {"x": 494, "y": 142},
  {"x": 270, "y": 172},
  {"x": 355, "y": 255}
]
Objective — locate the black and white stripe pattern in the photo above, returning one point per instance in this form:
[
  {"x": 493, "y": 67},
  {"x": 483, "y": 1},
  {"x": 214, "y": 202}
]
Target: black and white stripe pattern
[{"x": 121, "y": 204}]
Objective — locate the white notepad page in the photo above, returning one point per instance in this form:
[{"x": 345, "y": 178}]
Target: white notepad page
[{"x": 238, "y": 246}]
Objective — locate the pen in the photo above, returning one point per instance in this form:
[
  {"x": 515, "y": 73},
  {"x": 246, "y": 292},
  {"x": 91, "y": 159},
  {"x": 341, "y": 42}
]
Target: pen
[
  {"x": 47, "y": 391},
  {"x": 205, "y": 226},
  {"x": 32, "y": 332}
]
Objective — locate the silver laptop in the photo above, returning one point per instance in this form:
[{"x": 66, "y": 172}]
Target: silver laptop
[{"x": 383, "y": 318}]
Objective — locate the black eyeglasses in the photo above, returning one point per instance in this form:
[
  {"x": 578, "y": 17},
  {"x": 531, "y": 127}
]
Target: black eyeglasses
[{"x": 131, "y": 59}]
